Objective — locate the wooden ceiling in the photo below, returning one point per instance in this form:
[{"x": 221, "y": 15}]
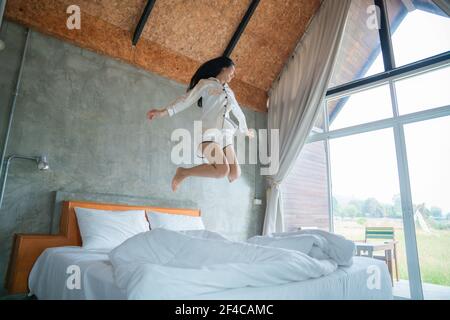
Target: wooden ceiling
[{"x": 182, "y": 34}]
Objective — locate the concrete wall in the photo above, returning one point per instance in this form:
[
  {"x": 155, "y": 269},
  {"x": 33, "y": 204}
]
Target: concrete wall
[{"x": 87, "y": 113}]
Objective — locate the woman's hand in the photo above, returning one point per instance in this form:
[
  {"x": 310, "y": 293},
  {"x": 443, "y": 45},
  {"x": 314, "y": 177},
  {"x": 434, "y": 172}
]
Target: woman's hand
[
  {"x": 250, "y": 134},
  {"x": 156, "y": 113}
]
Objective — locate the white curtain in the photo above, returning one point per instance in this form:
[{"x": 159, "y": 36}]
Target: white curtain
[{"x": 295, "y": 99}]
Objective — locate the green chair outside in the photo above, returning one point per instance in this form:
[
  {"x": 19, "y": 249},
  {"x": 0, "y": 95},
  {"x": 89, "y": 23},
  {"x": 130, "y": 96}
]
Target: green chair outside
[{"x": 383, "y": 233}]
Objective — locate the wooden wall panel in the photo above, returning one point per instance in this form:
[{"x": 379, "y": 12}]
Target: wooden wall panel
[{"x": 305, "y": 191}]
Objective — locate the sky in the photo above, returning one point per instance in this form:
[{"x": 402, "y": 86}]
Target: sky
[{"x": 365, "y": 165}]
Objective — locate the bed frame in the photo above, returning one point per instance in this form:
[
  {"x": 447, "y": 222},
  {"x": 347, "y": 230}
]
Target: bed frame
[{"x": 28, "y": 247}]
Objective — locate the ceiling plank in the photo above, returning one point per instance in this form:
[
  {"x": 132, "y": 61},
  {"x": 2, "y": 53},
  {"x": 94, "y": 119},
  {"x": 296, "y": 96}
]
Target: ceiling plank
[
  {"x": 182, "y": 34},
  {"x": 108, "y": 39}
]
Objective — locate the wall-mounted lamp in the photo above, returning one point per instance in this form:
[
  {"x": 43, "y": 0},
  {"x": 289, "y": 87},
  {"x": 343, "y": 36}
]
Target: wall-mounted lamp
[{"x": 41, "y": 162}]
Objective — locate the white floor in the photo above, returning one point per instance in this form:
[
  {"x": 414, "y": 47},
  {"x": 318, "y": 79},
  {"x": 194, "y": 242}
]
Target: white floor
[{"x": 430, "y": 291}]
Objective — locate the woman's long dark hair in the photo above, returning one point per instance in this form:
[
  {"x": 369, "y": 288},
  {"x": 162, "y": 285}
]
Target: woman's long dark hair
[{"x": 209, "y": 69}]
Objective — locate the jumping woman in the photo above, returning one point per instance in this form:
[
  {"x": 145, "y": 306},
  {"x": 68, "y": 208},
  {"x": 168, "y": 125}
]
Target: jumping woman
[{"x": 209, "y": 89}]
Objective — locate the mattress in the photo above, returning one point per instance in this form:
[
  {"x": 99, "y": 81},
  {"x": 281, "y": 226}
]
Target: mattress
[{"x": 72, "y": 273}]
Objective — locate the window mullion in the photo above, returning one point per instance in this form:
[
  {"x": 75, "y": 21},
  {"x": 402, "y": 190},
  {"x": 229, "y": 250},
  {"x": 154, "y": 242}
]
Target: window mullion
[
  {"x": 328, "y": 165},
  {"x": 412, "y": 257}
]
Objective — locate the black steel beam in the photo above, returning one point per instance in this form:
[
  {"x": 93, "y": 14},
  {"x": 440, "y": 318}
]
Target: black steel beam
[
  {"x": 237, "y": 34},
  {"x": 385, "y": 37},
  {"x": 142, "y": 21}
]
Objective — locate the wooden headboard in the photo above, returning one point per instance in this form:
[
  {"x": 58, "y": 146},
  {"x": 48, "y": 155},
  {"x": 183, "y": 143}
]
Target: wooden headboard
[{"x": 28, "y": 247}]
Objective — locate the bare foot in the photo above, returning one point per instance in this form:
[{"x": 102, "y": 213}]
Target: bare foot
[{"x": 178, "y": 178}]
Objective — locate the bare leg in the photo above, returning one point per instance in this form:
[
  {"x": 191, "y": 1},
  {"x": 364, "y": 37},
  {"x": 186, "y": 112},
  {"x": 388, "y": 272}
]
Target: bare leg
[
  {"x": 235, "y": 168},
  {"x": 218, "y": 167}
]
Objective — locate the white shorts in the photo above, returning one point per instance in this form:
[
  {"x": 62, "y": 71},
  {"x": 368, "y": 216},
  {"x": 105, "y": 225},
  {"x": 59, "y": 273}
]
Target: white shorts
[{"x": 223, "y": 138}]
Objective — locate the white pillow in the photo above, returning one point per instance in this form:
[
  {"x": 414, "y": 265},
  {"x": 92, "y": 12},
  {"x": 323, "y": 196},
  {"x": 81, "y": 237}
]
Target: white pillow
[
  {"x": 104, "y": 229},
  {"x": 175, "y": 222}
]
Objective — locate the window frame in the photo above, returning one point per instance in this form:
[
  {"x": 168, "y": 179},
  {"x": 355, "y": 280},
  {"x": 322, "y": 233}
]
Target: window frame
[
  {"x": 390, "y": 75},
  {"x": 388, "y": 59}
]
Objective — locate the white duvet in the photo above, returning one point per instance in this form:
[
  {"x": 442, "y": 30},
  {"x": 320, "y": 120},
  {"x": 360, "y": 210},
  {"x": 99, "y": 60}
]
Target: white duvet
[{"x": 164, "y": 264}]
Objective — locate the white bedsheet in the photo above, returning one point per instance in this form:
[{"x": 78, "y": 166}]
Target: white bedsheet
[
  {"x": 48, "y": 280},
  {"x": 346, "y": 283}
]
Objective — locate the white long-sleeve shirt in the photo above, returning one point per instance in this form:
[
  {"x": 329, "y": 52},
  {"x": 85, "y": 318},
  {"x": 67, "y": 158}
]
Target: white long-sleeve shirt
[{"x": 218, "y": 100}]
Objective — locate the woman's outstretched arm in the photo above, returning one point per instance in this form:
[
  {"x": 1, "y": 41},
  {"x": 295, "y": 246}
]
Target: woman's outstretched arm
[{"x": 181, "y": 103}]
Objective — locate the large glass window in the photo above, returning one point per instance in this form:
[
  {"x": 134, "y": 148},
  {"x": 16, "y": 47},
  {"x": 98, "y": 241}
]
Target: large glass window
[
  {"x": 419, "y": 29},
  {"x": 365, "y": 188},
  {"x": 428, "y": 146},
  {"x": 364, "y": 170},
  {"x": 379, "y": 152},
  {"x": 360, "y": 47},
  {"x": 362, "y": 107},
  {"x": 426, "y": 91}
]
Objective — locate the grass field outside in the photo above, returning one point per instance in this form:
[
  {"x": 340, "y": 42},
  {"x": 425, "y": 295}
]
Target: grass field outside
[{"x": 434, "y": 247}]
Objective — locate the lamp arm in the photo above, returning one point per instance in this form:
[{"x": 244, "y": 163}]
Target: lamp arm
[{"x": 7, "y": 162}]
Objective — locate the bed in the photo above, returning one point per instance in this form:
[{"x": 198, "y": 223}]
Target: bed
[
  {"x": 41, "y": 263},
  {"x": 28, "y": 247},
  {"x": 49, "y": 276}
]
